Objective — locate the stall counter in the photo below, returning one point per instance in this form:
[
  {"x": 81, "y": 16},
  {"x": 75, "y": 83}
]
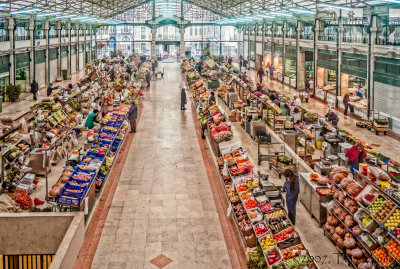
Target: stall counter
[{"x": 311, "y": 199}]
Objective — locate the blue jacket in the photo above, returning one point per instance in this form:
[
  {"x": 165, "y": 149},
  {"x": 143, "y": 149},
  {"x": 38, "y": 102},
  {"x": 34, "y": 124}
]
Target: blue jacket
[{"x": 133, "y": 112}]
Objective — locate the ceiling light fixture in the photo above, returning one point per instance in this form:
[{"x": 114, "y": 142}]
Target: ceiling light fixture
[
  {"x": 3, "y": 4},
  {"x": 48, "y": 14},
  {"x": 298, "y": 10},
  {"x": 280, "y": 13},
  {"x": 331, "y": 6},
  {"x": 23, "y": 11},
  {"x": 66, "y": 16}
]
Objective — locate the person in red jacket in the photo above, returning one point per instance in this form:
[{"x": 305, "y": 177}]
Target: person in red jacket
[
  {"x": 355, "y": 155},
  {"x": 260, "y": 74}
]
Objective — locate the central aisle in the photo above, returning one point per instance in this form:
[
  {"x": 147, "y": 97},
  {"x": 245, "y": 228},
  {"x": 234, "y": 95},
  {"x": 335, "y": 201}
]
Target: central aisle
[{"x": 163, "y": 203}]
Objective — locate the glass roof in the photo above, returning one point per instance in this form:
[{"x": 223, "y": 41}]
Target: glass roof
[{"x": 198, "y": 11}]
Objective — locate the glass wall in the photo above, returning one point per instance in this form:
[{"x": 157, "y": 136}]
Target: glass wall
[{"x": 21, "y": 32}]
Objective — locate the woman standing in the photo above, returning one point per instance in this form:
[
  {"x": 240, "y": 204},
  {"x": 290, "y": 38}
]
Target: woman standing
[
  {"x": 355, "y": 155},
  {"x": 292, "y": 189}
]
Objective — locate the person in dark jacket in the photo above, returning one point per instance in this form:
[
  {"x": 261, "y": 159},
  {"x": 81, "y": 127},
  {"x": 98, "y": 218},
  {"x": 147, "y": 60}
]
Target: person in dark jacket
[
  {"x": 332, "y": 118},
  {"x": 230, "y": 60},
  {"x": 132, "y": 116},
  {"x": 50, "y": 89},
  {"x": 183, "y": 99},
  {"x": 34, "y": 89},
  {"x": 148, "y": 78},
  {"x": 292, "y": 189},
  {"x": 212, "y": 99}
]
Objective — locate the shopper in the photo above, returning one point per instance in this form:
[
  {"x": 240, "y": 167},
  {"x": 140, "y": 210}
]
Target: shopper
[
  {"x": 332, "y": 118},
  {"x": 292, "y": 189},
  {"x": 260, "y": 74},
  {"x": 34, "y": 89},
  {"x": 267, "y": 70},
  {"x": 240, "y": 65},
  {"x": 50, "y": 89},
  {"x": 132, "y": 116},
  {"x": 297, "y": 101},
  {"x": 346, "y": 101},
  {"x": 230, "y": 60},
  {"x": 70, "y": 88},
  {"x": 91, "y": 119},
  {"x": 271, "y": 71},
  {"x": 148, "y": 78},
  {"x": 212, "y": 98},
  {"x": 307, "y": 88},
  {"x": 183, "y": 99},
  {"x": 355, "y": 155},
  {"x": 153, "y": 68}
]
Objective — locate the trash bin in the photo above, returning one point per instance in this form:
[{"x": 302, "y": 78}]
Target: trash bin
[{"x": 64, "y": 74}]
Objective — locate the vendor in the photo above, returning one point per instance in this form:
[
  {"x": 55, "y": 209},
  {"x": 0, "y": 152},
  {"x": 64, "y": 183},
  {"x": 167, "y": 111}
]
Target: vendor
[
  {"x": 50, "y": 89},
  {"x": 91, "y": 119},
  {"x": 355, "y": 155},
  {"x": 292, "y": 189},
  {"x": 284, "y": 107},
  {"x": 332, "y": 118},
  {"x": 212, "y": 98}
]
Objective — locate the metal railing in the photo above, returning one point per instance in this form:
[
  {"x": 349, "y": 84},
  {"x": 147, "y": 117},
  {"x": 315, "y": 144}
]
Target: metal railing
[
  {"x": 21, "y": 37},
  {"x": 355, "y": 39}
]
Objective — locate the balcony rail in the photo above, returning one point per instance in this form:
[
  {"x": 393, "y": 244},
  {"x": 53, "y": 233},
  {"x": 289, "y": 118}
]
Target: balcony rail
[
  {"x": 21, "y": 37},
  {"x": 355, "y": 39},
  {"x": 4, "y": 38},
  {"x": 332, "y": 38},
  {"x": 307, "y": 36}
]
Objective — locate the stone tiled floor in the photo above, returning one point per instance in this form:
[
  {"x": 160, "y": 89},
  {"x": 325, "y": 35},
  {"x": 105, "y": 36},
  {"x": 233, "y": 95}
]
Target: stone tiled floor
[{"x": 163, "y": 203}]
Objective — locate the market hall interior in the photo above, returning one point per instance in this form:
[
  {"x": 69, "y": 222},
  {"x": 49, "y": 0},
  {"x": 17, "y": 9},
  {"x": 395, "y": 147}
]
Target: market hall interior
[{"x": 163, "y": 204}]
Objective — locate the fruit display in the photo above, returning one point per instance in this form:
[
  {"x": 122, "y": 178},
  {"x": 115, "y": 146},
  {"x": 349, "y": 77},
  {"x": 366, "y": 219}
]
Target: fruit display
[
  {"x": 292, "y": 252},
  {"x": 251, "y": 184},
  {"x": 265, "y": 207},
  {"x": 383, "y": 257},
  {"x": 394, "y": 221},
  {"x": 260, "y": 229},
  {"x": 314, "y": 176},
  {"x": 255, "y": 215},
  {"x": 250, "y": 203},
  {"x": 273, "y": 257},
  {"x": 242, "y": 188},
  {"x": 267, "y": 242},
  {"x": 384, "y": 210},
  {"x": 232, "y": 194},
  {"x": 376, "y": 205},
  {"x": 276, "y": 213},
  {"x": 396, "y": 232},
  {"x": 394, "y": 248},
  {"x": 290, "y": 232},
  {"x": 245, "y": 196},
  {"x": 366, "y": 220}
]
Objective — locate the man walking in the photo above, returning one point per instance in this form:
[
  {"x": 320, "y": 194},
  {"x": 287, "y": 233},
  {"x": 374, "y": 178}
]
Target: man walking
[
  {"x": 260, "y": 74},
  {"x": 34, "y": 89},
  {"x": 132, "y": 116}
]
